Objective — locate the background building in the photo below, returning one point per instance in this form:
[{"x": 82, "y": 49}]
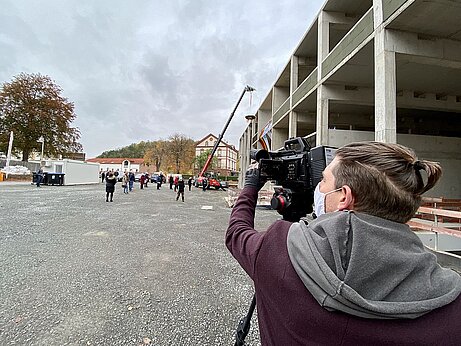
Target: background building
[
  {"x": 74, "y": 156},
  {"x": 372, "y": 70},
  {"x": 120, "y": 164},
  {"x": 226, "y": 154}
]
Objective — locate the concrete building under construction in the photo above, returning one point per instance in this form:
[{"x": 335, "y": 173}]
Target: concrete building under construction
[{"x": 385, "y": 70}]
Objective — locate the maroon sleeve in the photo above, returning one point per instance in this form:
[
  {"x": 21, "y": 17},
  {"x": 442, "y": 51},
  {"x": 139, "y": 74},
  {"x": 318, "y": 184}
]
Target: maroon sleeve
[{"x": 242, "y": 240}]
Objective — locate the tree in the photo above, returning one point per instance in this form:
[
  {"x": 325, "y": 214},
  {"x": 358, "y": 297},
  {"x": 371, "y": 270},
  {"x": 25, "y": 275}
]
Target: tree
[
  {"x": 156, "y": 154},
  {"x": 31, "y": 106},
  {"x": 201, "y": 159},
  {"x": 134, "y": 150},
  {"x": 181, "y": 151},
  {"x": 173, "y": 155}
]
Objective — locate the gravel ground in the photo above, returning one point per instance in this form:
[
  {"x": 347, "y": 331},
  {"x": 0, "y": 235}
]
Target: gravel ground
[{"x": 144, "y": 269}]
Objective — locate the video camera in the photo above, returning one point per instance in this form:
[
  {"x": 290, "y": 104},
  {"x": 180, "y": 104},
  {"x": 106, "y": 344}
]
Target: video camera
[{"x": 297, "y": 169}]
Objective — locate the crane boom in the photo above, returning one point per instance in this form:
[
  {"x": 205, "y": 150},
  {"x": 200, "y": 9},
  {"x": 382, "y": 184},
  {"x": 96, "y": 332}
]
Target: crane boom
[{"x": 221, "y": 135}]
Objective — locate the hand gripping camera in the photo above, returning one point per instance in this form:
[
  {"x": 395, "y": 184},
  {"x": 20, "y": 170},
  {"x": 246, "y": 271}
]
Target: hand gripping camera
[{"x": 296, "y": 169}]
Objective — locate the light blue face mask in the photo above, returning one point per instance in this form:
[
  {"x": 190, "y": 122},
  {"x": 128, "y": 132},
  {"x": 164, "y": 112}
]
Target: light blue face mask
[{"x": 319, "y": 200}]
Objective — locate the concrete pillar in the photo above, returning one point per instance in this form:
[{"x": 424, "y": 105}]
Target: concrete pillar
[
  {"x": 293, "y": 116},
  {"x": 322, "y": 100},
  {"x": 264, "y": 116},
  {"x": 244, "y": 151},
  {"x": 279, "y": 136},
  {"x": 385, "y": 82},
  {"x": 294, "y": 75},
  {"x": 248, "y": 147},
  {"x": 241, "y": 160},
  {"x": 292, "y": 124},
  {"x": 279, "y": 96}
]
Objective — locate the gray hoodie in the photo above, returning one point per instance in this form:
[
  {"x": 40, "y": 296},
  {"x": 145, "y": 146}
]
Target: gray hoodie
[{"x": 369, "y": 267}]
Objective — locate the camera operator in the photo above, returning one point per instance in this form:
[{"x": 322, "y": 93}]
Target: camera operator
[{"x": 357, "y": 274}]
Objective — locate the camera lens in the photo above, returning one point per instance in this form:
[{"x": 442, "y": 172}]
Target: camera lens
[{"x": 279, "y": 203}]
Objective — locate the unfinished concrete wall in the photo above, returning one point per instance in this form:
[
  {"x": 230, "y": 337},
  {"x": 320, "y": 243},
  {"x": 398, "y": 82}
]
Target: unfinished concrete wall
[
  {"x": 279, "y": 136},
  {"x": 446, "y": 150}
]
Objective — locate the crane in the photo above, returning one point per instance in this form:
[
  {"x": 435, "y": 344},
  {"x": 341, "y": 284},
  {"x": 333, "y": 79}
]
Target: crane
[{"x": 214, "y": 182}]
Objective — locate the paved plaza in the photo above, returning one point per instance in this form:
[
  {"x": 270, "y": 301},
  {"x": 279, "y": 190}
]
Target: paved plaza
[{"x": 144, "y": 269}]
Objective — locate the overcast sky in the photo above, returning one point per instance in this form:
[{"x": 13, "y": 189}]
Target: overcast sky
[{"x": 144, "y": 70}]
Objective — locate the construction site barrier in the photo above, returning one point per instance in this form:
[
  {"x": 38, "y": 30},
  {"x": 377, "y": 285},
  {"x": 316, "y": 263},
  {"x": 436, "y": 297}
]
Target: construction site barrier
[{"x": 440, "y": 216}]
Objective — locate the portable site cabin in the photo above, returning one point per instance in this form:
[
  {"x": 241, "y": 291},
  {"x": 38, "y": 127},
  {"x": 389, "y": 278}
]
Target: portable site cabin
[{"x": 75, "y": 172}]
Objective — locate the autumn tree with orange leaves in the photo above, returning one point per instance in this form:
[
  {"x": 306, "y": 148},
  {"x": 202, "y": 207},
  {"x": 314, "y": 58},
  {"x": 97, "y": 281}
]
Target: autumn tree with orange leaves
[{"x": 32, "y": 106}]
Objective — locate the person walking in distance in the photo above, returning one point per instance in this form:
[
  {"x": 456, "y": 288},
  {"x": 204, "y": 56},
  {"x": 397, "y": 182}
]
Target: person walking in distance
[
  {"x": 170, "y": 180},
  {"x": 204, "y": 184},
  {"x": 125, "y": 181},
  {"x": 141, "y": 181},
  {"x": 159, "y": 181},
  {"x": 180, "y": 189},
  {"x": 189, "y": 182},
  {"x": 39, "y": 176},
  {"x": 131, "y": 179},
  {"x": 176, "y": 180},
  {"x": 146, "y": 179},
  {"x": 111, "y": 180}
]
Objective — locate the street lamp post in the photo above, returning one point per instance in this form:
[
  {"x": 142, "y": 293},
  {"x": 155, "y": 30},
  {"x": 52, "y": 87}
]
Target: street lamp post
[
  {"x": 10, "y": 147},
  {"x": 41, "y": 140}
]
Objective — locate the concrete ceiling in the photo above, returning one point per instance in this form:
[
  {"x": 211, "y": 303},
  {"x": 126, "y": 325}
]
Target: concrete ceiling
[
  {"x": 357, "y": 7},
  {"x": 309, "y": 104},
  {"x": 284, "y": 78},
  {"x": 308, "y": 45},
  {"x": 282, "y": 124},
  {"x": 358, "y": 71},
  {"x": 414, "y": 74},
  {"x": 267, "y": 103},
  {"x": 439, "y": 18}
]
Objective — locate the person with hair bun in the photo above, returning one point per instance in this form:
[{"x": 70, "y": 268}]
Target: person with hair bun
[{"x": 356, "y": 274}]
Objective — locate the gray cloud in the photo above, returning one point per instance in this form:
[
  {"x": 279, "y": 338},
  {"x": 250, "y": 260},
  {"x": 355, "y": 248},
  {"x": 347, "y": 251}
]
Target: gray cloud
[{"x": 144, "y": 70}]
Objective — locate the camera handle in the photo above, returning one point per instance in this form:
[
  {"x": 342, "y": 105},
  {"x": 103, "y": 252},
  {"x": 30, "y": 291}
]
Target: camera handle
[{"x": 244, "y": 325}]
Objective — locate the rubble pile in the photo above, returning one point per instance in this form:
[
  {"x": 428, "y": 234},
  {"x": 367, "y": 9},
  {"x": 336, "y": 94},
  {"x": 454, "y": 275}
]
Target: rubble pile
[{"x": 16, "y": 170}]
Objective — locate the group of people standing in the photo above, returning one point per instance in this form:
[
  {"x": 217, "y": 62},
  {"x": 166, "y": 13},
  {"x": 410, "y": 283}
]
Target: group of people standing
[
  {"x": 174, "y": 181},
  {"x": 105, "y": 174},
  {"x": 111, "y": 178},
  {"x": 128, "y": 180},
  {"x": 179, "y": 186},
  {"x": 143, "y": 180}
]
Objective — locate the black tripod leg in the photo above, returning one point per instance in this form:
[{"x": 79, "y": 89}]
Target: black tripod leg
[{"x": 244, "y": 325}]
